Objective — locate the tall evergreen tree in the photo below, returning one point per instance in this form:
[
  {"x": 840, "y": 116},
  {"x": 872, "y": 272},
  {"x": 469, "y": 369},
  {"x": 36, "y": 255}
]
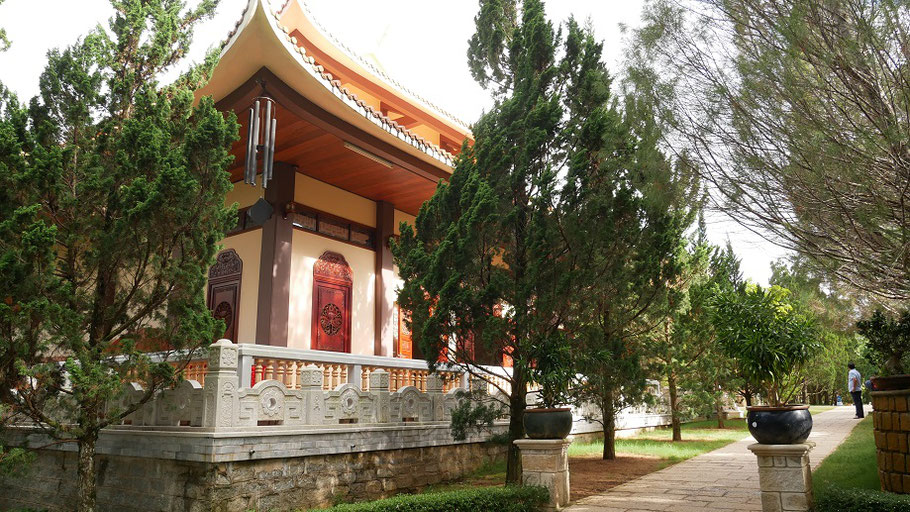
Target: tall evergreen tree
[
  {"x": 481, "y": 271},
  {"x": 112, "y": 190},
  {"x": 624, "y": 211}
]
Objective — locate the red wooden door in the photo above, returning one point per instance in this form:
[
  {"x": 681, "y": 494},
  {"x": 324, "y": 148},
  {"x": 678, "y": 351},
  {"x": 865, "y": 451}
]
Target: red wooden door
[
  {"x": 332, "y": 317},
  {"x": 405, "y": 342}
]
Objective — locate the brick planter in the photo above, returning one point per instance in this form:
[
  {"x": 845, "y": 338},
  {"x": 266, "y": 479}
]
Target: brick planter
[{"x": 891, "y": 419}]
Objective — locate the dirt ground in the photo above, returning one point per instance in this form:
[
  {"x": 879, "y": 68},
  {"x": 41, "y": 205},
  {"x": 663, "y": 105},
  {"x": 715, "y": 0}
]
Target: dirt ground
[{"x": 593, "y": 475}]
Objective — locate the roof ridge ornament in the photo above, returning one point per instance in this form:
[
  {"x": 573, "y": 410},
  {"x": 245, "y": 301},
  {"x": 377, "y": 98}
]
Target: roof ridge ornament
[{"x": 260, "y": 138}]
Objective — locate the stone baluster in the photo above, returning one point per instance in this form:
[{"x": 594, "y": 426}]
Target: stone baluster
[
  {"x": 365, "y": 378},
  {"x": 279, "y": 371},
  {"x": 379, "y": 389},
  {"x": 260, "y": 371},
  {"x": 312, "y": 380},
  {"x": 221, "y": 395},
  {"x": 291, "y": 377},
  {"x": 478, "y": 384}
]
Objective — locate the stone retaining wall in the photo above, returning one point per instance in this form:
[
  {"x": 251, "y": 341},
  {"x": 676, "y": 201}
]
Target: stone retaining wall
[
  {"x": 891, "y": 419},
  {"x": 144, "y": 484},
  {"x": 259, "y": 469}
]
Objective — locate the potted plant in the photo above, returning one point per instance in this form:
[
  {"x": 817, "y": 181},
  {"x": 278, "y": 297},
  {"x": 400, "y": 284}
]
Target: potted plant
[
  {"x": 553, "y": 372},
  {"x": 888, "y": 341},
  {"x": 770, "y": 337}
]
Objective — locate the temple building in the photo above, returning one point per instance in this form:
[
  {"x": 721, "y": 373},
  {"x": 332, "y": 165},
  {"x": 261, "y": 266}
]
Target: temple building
[{"x": 308, "y": 265}]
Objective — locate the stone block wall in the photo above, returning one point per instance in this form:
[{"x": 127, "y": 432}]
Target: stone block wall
[
  {"x": 891, "y": 419},
  {"x": 151, "y": 484}
]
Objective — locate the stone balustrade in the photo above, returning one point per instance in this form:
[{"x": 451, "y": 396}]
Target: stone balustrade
[{"x": 288, "y": 393}]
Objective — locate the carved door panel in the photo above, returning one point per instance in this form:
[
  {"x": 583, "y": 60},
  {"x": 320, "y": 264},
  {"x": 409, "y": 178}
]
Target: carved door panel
[
  {"x": 223, "y": 303},
  {"x": 224, "y": 292},
  {"x": 405, "y": 342},
  {"x": 332, "y": 317}
]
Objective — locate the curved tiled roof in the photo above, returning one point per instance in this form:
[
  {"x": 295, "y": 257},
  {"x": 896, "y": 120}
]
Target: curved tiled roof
[
  {"x": 373, "y": 68},
  {"x": 334, "y": 85}
]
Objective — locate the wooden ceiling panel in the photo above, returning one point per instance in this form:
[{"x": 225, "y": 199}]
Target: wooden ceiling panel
[{"x": 324, "y": 157}]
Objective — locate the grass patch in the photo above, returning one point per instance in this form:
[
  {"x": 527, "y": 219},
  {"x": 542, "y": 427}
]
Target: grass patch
[
  {"x": 816, "y": 409},
  {"x": 698, "y": 437},
  {"x": 852, "y": 464}
]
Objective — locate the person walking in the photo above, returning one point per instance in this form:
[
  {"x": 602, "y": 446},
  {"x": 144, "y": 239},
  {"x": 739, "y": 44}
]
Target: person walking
[{"x": 854, "y": 385}]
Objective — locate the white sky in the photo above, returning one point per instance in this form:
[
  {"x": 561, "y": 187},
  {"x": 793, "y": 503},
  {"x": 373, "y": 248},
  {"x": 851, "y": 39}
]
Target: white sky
[{"x": 417, "y": 43}]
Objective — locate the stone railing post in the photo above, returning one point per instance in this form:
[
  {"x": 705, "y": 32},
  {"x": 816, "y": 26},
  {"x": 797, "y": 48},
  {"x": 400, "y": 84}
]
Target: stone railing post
[
  {"x": 311, "y": 392},
  {"x": 221, "y": 393},
  {"x": 434, "y": 391},
  {"x": 784, "y": 476},
  {"x": 545, "y": 462},
  {"x": 379, "y": 390}
]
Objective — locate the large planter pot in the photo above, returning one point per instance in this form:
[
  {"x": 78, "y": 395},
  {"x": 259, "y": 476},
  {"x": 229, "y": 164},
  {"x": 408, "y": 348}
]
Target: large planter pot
[
  {"x": 892, "y": 383},
  {"x": 548, "y": 423},
  {"x": 789, "y": 424},
  {"x": 890, "y": 408}
]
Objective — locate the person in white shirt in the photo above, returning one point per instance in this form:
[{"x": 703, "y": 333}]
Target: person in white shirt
[{"x": 854, "y": 385}]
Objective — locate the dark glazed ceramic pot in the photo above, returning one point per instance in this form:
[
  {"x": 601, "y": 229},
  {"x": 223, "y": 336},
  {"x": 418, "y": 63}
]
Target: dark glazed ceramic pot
[
  {"x": 548, "y": 423},
  {"x": 789, "y": 424}
]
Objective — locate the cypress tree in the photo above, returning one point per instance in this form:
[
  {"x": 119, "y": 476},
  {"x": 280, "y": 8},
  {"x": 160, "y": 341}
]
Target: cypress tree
[{"x": 112, "y": 190}]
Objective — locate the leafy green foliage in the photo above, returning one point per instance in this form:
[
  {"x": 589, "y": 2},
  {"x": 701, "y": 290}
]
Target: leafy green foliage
[
  {"x": 490, "y": 499},
  {"x": 769, "y": 335},
  {"x": 4, "y": 41},
  {"x": 888, "y": 339},
  {"x": 475, "y": 412},
  {"x": 112, "y": 190},
  {"x": 861, "y": 500},
  {"x": 836, "y": 308}
]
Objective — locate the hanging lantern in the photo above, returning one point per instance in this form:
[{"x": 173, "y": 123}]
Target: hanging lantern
[{"x": 260, "y": 140}]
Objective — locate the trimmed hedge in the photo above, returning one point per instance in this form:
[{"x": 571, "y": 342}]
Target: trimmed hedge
[
  {"x": 488, "y": 499},
  {"x": 835, "y": 499}
]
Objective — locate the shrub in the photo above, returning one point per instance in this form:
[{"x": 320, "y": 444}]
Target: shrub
[
  {"x": 490, "y": 499},
  {"x": 835, "y": 499}
]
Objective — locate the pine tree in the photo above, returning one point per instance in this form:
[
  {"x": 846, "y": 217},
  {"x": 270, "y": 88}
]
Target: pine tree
[
  {"x": 625, "y": 209},
  {"x": 112, "y": 190},
  {"x": 481, "y": 271}
]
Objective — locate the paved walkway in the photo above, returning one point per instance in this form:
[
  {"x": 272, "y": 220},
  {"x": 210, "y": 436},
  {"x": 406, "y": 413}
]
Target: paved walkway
[{"x": 723, "y": 480}]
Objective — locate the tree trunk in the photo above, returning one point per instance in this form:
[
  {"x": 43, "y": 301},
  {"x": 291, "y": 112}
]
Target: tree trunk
[
  {"x": 517, "y": 407},
  {"x": 719, "y": 407},
  {"x": 608, "y": 417},
  {"x": 674, "y": 407},
  {"x": 86, "y": 483}
]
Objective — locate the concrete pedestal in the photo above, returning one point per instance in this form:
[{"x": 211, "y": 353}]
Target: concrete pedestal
[
  {"x": 784, "y": 476},
  {"x": 545, "y": 462}
]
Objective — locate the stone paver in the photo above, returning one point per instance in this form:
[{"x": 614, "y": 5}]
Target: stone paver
[{"x": 723, "y": 480}]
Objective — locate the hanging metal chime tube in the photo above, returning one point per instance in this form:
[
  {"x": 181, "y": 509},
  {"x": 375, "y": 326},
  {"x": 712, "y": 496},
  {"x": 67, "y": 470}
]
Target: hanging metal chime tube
[{"x": 260, "y": 120}]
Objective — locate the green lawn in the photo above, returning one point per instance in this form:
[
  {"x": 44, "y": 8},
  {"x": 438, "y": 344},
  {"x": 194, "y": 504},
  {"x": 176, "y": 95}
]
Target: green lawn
[
  {"x": 815, "y": 409},
  {"x": 852, "y": 464},
  {"x": 698, "y": 437}
]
